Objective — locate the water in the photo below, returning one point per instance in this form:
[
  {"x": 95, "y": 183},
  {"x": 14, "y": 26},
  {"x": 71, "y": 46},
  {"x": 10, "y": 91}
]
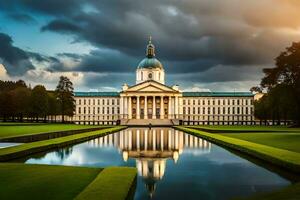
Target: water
[
  {"x": 171, "y": 164},
  {"x": 8, "y": 144}
]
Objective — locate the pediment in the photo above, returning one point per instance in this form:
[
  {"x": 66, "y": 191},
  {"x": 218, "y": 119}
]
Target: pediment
[{"x": 150, "y": 86}]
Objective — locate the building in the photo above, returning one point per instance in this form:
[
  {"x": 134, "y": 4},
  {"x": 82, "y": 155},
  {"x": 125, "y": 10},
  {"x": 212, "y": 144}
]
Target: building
[{"x": 150, "y": 100}]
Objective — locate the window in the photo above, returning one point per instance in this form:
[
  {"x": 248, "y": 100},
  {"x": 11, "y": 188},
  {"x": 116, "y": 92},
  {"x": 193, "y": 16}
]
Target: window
[
  {"x": 183, "y": 101},
  {"x": 84, "y": 110},
  {"x": 184, "y": 110},
  {"x": 150, "y": 75},
  {"x": 142, "y": 78},
  {"x": 84, "y": 101},
  {"x": 103, "y": 102},
  {"x": 113, "y": 110},
  {"x": 107, "y": 110},
  {"x": 79, "y": 110},
  {"x": 79, "y": 101},
  {"x": 113, "y": 102}
]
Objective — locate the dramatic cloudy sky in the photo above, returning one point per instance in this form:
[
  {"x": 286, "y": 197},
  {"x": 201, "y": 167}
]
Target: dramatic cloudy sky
[{"x": 221, "y": 45}]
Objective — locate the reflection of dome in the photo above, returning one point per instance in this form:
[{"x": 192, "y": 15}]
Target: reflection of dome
[{"x": 150, "y": 63}]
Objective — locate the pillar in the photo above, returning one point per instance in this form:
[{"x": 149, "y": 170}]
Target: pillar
[
  {"x": 146, "y": 108},
  {"x": 176, "y": 108},
  {"x": 121, "y": 108},
  {"x": 129, "y": 108},
  {"x": 161, "y": 107},
  {"x": 169, "y": 109},
  {"x": 138, "y": 107},
  {"x": 154, "y": 109}
]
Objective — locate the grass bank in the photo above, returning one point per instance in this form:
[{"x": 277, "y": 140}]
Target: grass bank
[
  {"x": 11, "y": 153},
  {"x": 280, "y": 157},
  {"x": 112, "y": 184},
  {"x": 24, "y": 181},
  {"x": 244, "y": 128},
  {"x": 20, "y": 130},
  {"x": 287, "y": 141}
]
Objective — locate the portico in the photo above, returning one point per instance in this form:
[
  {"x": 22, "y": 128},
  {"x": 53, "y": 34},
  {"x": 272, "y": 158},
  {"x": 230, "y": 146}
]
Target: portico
[{"x": 149, "y": 100}]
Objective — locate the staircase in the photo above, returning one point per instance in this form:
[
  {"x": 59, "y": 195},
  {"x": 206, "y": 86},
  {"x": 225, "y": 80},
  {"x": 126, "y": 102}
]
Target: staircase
[{"x": 146, "y": 122}]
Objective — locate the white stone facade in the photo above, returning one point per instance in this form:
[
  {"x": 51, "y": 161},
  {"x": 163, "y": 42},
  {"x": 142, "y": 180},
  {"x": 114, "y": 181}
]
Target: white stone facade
[{"x": 150, "y": 98}]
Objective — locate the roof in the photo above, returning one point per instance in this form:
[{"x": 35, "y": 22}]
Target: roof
[
  {"x": 184, "y": 94},
  {"x": 150, "y": 63},
  {"x": 217, "y": 94},
  {"x": 96, "y": 94}
]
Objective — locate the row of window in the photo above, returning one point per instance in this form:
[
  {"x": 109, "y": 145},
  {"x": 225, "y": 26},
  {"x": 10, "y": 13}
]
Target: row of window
[
  {"x": 218, "y": 110},
  {"x": 218, "y": 118},
  {"x": 94, "y": 101},
  {"x": 217, "y": 101},
  {"x": 98, "y": 110}
]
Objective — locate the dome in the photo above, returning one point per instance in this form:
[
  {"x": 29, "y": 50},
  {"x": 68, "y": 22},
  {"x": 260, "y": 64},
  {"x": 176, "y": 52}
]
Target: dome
[{"x": 150, "y": 63}]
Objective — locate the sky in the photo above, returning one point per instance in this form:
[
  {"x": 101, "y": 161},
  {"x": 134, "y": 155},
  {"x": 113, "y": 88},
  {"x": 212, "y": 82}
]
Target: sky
[{"x": 220, "y": 45}]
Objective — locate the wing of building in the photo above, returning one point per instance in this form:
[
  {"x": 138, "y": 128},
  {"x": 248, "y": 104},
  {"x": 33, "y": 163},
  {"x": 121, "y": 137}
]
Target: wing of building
[{"x": 151, "y": 101}]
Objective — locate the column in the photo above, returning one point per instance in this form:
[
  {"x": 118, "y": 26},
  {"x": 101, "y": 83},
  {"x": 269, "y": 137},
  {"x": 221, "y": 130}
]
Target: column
[
  {"x": 154, "y": 109},
  {"x": 176, "y": 108},
  {"x": 125, "y": 105},
  {"x": 161, "y": 107},
  {"x": 138, "y": 107},
  {"x": 169, "y": 109},
  {"x": 129, "y": 108},
  {"x": 146, "y": 108},
  {"x": 121, "y": 108}
]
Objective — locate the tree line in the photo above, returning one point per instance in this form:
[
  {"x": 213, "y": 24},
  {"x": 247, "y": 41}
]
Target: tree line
[
  {"x": 18, "y": 101},
  {"x": 282, "y": 84}
]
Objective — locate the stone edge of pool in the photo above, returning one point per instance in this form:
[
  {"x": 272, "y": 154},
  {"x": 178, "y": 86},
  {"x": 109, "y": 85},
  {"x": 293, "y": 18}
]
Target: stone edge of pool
[
  {"x": 279, "y": 157},
  {"x": 26, "y": 149}
]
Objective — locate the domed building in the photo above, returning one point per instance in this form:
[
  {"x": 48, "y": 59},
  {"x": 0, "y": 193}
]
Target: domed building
[
  {"x": 150, "y": 68},
  {"x": 151, "y": 101}
]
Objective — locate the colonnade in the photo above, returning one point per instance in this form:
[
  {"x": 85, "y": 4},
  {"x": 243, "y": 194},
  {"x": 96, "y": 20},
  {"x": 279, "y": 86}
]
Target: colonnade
[{"x": 149, "y": 107}]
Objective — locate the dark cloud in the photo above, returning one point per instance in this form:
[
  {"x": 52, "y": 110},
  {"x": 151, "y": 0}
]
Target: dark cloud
[
  {"x": 22, "y": 18},
  {"x": 15, "y": 60},
  {"x": 192, "y": 36}
]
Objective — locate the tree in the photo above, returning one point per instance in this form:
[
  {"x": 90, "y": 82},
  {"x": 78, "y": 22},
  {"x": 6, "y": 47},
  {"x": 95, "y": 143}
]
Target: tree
[
  {"x": 53, "y": 105},
  {"x": 39, "y": 102},
  {"x": 65, "y": 96},
  {"x": 285, "y": 77}
]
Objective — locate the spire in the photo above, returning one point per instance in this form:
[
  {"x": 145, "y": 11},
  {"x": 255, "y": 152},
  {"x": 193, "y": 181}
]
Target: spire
[{"x": 150, "y": 52}]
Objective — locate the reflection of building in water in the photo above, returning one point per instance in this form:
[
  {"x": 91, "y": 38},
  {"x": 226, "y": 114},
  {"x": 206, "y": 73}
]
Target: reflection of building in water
[{"x": 151, "y": 148}]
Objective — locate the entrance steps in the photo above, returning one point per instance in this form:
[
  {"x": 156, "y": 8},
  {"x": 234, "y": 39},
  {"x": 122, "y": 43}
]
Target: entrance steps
[{"x": 146, "y": 122}]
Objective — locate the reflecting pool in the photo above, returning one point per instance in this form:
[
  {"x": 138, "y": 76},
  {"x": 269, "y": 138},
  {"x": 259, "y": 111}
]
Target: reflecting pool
[{"x": 171, "y": 164}]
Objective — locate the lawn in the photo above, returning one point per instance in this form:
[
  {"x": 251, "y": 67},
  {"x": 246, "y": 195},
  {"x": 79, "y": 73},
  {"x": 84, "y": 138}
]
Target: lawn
[
  {"x": 288, "y": 141},
  {"x": 24, "y": 181},
  {"x": 12, "y": 131},
  {"x": 20, "y": 181},
  {"x": 246, "y": 128}
]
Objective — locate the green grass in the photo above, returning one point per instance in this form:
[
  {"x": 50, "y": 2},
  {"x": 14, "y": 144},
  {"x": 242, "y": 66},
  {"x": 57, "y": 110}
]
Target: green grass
[
  {"x": 18, "y": 130},
  {"x": 279, "y": 157},
  {"x": 22, "y": 181},
  {"x": 244, "y": 128},
  {"x": 111, "y": 184},
  {"x": 26, "y": 181},
  {"x": 287, "y": 141},
  {"x": 44, "y": 145}
]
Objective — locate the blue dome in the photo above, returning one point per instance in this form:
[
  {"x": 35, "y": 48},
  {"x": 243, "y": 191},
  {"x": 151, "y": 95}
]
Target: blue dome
[{"x": 150, "y": 63}]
